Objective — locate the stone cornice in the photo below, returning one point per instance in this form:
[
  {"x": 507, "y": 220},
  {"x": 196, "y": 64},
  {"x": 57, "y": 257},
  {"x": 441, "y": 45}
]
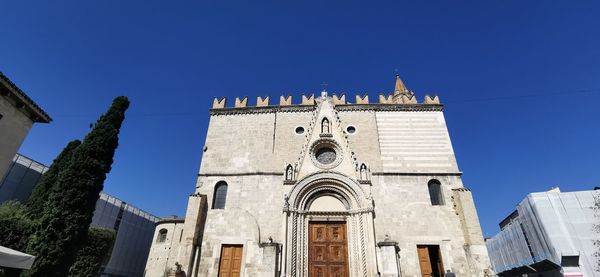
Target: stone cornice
[
  {"x": 391, "y": 107},
  {"x": 217, "y": 174},
  {"x": 259, "y": 110},
  {"x": 417, "y": 173},
  {"x": 342, "y": 107},
  {"x": 387, "y": 243},
  {"x": 376, "y": 173},
  {"x": 169, "y": 220}
]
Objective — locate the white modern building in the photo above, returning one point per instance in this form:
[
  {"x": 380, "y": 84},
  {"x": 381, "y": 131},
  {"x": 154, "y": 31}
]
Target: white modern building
[{"x": 549, "y": 234}]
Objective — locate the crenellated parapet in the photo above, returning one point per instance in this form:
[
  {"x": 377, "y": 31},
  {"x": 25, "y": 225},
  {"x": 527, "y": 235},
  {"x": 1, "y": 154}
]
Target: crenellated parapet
[
  {"x": 400, "y": 99},
  {"x": 386, "y": 99},
  {"x": 219, "y": 104},
  {"x": 339, "y": 100},
  {"x": 362, "y": 99},
  {"x": 241, "y": 103},
  {"x": 285, "y": 100},
  {"x": 262, "y": 102},
  {"x": 432, "y": 100},
  {"x": 310, "y": 100}
]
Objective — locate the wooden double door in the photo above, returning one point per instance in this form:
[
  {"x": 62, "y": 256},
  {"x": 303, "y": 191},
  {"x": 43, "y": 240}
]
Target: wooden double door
[
  {"x": 327, "y": 249},
  {"x": 430, "y": 261},
  {"x": 231, "y": 261}
]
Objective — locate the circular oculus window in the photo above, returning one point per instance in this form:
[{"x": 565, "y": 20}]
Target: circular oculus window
[
  {"x": 326, "y": 155},
  {"x": 300, "y": 130},
  {"x": 351, "y": 129}
]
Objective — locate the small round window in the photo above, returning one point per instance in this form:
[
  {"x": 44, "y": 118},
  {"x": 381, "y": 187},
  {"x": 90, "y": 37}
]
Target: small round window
[
  {"x": 325, "y": 155},
  {"x": 351, "y": 129},
  {"x": 299, "y": 130}
]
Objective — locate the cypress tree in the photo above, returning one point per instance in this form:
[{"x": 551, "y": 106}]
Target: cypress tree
[
  {"x": 41, "y": 192},
  {"x": 68, "y": 212},
  {"x": 94, "y": 252}
]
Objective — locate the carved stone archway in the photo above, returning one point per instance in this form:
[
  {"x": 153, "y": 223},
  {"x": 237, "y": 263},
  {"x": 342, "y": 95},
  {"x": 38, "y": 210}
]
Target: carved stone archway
[{"x": 358, "y": 215}]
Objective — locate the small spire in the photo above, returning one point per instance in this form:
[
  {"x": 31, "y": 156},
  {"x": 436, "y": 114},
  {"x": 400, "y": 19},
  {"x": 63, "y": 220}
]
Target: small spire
[{"x": 400, "y": 87}]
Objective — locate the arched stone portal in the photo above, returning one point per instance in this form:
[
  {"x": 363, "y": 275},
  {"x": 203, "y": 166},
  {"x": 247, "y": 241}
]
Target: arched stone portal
[{"x": 329, "y": 197}]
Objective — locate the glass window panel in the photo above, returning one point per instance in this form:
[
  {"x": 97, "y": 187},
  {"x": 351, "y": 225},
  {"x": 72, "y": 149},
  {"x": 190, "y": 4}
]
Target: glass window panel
[{"x": 220, "y": 195}]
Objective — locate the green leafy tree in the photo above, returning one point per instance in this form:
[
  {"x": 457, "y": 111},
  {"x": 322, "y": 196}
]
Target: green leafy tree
[
  {"x": 94, "y": 252},
  {"x": 41, "y": 192},
  {"x": 68, "y": 212},
  {"x": 15, "y": 226}
]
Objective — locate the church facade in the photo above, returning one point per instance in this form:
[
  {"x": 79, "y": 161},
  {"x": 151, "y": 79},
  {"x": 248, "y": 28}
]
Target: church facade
[{"x": 325, "y": 188}]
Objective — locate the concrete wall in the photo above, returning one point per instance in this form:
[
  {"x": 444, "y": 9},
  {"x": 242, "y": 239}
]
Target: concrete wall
[{"x": 14, "y": 126}]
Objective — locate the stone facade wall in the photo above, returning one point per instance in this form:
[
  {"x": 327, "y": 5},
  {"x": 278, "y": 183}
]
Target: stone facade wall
[
  {"x": 14, "y": 126},
  {"x": 253, "y": 142},
  {"x": 252, "y": 214},
  {"x": 389, "y": 210},
  {"x": 404, "y": 213},
  {"x": 365, "y": 140},
  {"x": 163, "y": 255},
  {"x": 415, "y": 142}
]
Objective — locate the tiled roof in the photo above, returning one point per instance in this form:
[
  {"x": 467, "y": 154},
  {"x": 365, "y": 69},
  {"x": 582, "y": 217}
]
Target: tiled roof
[{"x": 35, "y": 112}]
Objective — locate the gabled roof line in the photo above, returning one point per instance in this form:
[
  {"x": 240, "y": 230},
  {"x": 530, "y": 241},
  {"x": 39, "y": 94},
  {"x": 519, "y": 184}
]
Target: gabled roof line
[{"x": 8, "y": 88}]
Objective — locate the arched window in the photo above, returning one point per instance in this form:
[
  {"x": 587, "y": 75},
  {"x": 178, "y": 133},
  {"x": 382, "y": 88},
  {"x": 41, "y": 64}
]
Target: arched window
[
  {"x": 435, "y": 192},
  {"x": 220, "y": 195},
  {"x": 162, "y": 235},
  {"x": 325, "y": 126}
]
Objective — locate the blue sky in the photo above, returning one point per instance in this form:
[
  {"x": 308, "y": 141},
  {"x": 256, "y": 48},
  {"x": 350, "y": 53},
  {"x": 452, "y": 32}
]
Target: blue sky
[{"x": 520, "y": 80}]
